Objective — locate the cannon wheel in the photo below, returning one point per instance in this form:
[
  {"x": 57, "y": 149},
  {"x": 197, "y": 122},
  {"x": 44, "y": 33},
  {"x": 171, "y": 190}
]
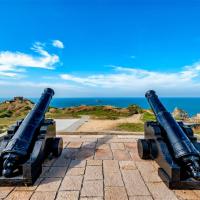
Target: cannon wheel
[
  {"x": 57, "y": 146},
  {"x": 144, "y": 149}
]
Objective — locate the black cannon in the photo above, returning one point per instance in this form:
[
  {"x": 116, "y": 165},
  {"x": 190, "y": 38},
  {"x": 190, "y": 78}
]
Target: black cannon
[
  {"x": 173, "y": 146},
  {"x": 27, "y": 144}
]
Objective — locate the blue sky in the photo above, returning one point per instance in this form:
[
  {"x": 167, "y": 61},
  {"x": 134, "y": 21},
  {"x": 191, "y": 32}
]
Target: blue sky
[{"x": 99, "y": 47}]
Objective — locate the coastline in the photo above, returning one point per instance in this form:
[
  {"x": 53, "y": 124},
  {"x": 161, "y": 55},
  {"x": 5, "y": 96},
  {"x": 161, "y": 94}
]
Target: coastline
[{"x": 189, "y": 104}]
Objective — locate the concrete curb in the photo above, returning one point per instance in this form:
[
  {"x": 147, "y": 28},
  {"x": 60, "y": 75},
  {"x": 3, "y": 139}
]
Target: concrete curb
[{"x": 100, "y": 133}]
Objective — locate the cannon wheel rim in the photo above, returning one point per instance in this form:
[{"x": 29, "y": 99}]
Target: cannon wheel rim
[
  {"x": 143, "y": 149},
  {"x": 57, "y": 146}
]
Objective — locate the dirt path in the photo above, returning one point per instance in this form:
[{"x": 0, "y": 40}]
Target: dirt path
[{"x": 107, "y": 125}]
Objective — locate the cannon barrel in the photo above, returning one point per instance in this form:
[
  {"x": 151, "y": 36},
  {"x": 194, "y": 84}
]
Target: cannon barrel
[
  {"x": 183, "y": 149},
  {"x": 18, "y": 148}
]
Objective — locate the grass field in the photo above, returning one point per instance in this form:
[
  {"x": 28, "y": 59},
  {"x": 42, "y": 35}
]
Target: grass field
[{"x": 131, "y": 127}]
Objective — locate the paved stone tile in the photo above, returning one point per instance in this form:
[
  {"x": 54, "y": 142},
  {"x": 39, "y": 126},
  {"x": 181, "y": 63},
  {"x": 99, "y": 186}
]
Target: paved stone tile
[
  {"x": 61, "y": 162},
  {"x": 77, "y": 163},
  {"x": 69, "y": 153},
  {"x": 103, "y": 154},
  {"x": 48, "y": 162},
  {"x": 156, "y": 166},
  {"x": 56, "y": 172},
  {"x": 161, "y": 192},
  {"x": 131, "y": 146},
  {"x": 127, "y": 165},
  {"x": 88, "y": 145},
  {"x": 92, "y": 189},
  {"x": 111, "y": 165},
  {"x": 49, "y": 185},
  {"x": 148, "y": 171},
  {"x": 120, "y": 176},
  {"x": 68, "y": 195},
  {"x": 44, "y": 171},
  {"x": 115, "y": 193},
  {"x": 117, "y": 146},
  {"x": 94, "y": 162},
  {"x": 134, "y": 183},
  {"x": 43, "y": 196},
  {"x": 30, "y": 188},
  {"x": 102, "y": 146},
  {"x": 71, "y": 183},
  {"x": 113, "y": 179},
  {"x": 112, "y": 175},
  {"x": 104, "y": 140},
  {"x": 121, "y": 154},
  {"x": 186, "y": 194},
  {"x": 19, "y": 195},
  {"x": 85, "y": 154},
  {"x": 65, "y": 143},
  {"x": 76, "y": 171},
  {"x": 135, "y": 156},
  {"x": 4, "y": 191},
  {"x": 93, "y": 173},
  {"x": 141, "y": 198},
  {"x": 74, "y": 145},
  {"x": 91, "y": 198}
]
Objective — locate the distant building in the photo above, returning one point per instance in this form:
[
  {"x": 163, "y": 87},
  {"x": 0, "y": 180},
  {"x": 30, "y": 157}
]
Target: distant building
[{"x": 18, "y": 98}]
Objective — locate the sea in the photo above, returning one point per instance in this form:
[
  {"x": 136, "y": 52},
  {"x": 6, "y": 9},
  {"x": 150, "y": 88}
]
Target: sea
[{"x": 190, "y": 105}]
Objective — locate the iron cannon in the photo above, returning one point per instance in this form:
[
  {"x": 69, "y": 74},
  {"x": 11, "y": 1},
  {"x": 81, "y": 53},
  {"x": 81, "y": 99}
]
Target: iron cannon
[
  {"x": 27, "y": 144},
  {"x": 172, "y": 145}
]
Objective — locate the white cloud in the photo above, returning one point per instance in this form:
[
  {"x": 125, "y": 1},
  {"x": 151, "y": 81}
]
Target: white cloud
[
  {"x": 133, "y": 57},
  {"x": 58, "y": 44},
  {"x": 133, "y": 81},
  {"x": 11, "y": 63},
  {"x": 33, "y": 89},
  {"x": 123, "y": 81}
]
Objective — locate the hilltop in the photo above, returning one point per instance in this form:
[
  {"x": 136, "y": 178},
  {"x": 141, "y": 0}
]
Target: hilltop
[{"x": 15, "y": 108}]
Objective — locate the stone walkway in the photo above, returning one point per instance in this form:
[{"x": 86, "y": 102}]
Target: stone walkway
[{"x": 96, "y": 168}]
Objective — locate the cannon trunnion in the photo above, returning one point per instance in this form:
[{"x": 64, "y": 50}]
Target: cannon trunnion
[
  {"x": 173, "y": 146},
  {"x": 27, "y": 144}
]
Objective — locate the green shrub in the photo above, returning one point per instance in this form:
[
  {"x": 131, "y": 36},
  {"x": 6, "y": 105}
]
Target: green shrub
[
  {"x": 147, "y": 116},
  {"x": 27, "y": 108},
  {"x": 5, "y": 113},
  {"x": 134, "y": 109}
]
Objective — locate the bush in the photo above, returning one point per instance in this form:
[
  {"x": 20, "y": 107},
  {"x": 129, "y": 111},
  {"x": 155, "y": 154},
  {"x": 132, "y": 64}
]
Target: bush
[
  {"x": 134, "y": 109},
  {"x": 5, "y": 113},
  {"x": 147, "y": 116},
  {"x": 27, "y": 108}
]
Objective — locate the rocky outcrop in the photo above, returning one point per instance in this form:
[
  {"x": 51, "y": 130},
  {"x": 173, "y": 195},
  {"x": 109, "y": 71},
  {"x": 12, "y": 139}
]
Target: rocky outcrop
[{"x": 180, "y": 114}]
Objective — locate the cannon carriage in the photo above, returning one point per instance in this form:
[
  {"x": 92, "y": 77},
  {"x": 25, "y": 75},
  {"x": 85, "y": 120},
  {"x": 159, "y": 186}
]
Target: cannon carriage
[
  {"x": 173, "y": 146},
  {"x": 27, "y": 144}
]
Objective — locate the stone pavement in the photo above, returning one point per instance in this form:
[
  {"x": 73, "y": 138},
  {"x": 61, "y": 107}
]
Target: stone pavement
[{"x": 95, "y": 168}]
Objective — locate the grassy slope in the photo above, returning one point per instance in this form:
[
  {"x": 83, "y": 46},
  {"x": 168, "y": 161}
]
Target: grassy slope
[{"x": 137, "y": 127}]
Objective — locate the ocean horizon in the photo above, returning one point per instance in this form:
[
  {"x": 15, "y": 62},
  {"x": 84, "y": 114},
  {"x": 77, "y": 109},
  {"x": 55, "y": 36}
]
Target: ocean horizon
[{"x": 190, "y": 104}]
